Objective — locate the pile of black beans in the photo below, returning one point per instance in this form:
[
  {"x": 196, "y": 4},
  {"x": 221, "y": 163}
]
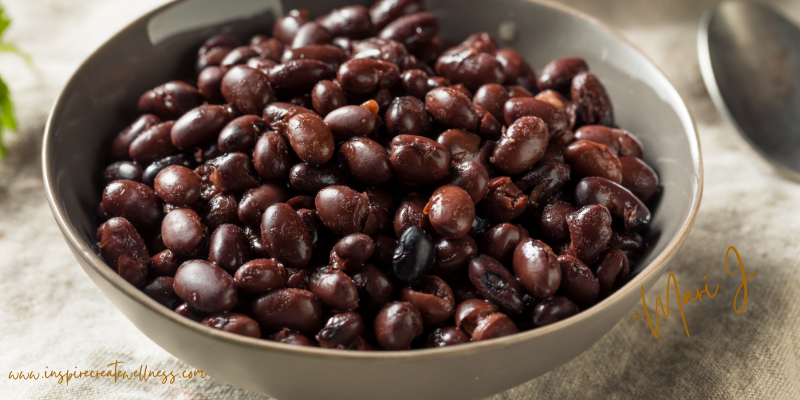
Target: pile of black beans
[{"x": 354, "y": 182}]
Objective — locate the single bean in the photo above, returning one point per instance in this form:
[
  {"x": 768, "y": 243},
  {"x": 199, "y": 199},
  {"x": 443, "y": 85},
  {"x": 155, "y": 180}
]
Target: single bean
[
  {"x": 209, "y": 84},
  {"x": 375, "y": 288},
  {"x": 365, "y": 76},
  {"x": 593, "y": 106},
  {"x": 521, "y": 145},
  {"x": 199, "y": 126},
  {"x": 170, "y": 100},
  {"x": 177, "y": 185},
  {"x": 412, "y": 30},
  {"x": 311, "y": 33},
  {"x": 334, "y": 289},
  {"x": 241, "y": 133},
  {"x": 447, "y": 336},
  {"x": 184, "y": 234},
  {"x": 327, "y": 96},
  {"x": 298, "y": 76},
  {"x": 612, "y": 271},
  {"x": 185, "y": 311},
  {"x": 160, "y": 289},
  {"x": 259, "y": 276},
  {"x": 343, "y": 210},
  {"x": 407, "y": 116},
  {"x": 552, "y": 310},
  {"x": 578, "y": 283},
  {"x": 434, "y": 300},
  {"x": 501, "y": 241},
  {"x": 351, "y": 22},
  {"x": 286, "y": 27},
  {"x": 350, "y": 121},
  {"x": 153, "y": 144},
  {"x": 382, "y": 12},
  {"x": 221, "y": 209},
  {"x": 419, "y": 161},
  {"x": 494, "y": 326},
  {"x": 133, "y": 201},
  {"x": 126, "y": 170},
  {"x": 397, "y": 324},
  {"x": 238, "y": 56},
  {"x": 451, "y": 108},
  {"x": 165, "y": 263},
  {"x": 451, "y": 256},
  {"x": 587, "y": 158},
  {"x": 518, "y": 107},
  {"x": 639, "y": 178},
  {"x": 352, "y": 251},
  {"x": 310, "y": 138},
  {"x": 232, "y": 171},
  {"x": 516, "y": 69},
  {"x": 331, "y": 55},
  {"x": 239, "y": 324},
  {"x": 285, "y": 236},
  {"x": 558, "y": 74},
  {"x": 212, "y": 58},
  {"x": 450, "y": 211},
  {"x": 413, "y": 257},
  {"x": 536, "y": 266},
  {"x": 341, "y": 329},
  {"x": 495, "y": 283},
  {"x": 470, "y": 67},
  {"x": 291, "y": 308},
  {"x": 618, "y": 200},
  {"x": 491, "y": 97},
  {"x": 590, "y": 232},
  {"x": 205, "y": 287},
  {"x": 124, "y": 250},
  {"x": 118, "y": 151},
  {"x": 229, "y": 248},
  {"x": 503, "y": 202}
]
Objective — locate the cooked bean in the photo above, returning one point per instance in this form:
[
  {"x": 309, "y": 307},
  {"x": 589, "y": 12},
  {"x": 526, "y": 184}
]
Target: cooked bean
[
  {"x": 501, "y": 241},
  {"x": 365, "y": 76},
  {"x": 521, "y": 145},
  {"x": 310, "y": 138},
  {"x": 543, "y": 181},
  {"x": 536, "y": 266},
  {"x": 619, "y": 141},
  {"x": 177, "y": 185},
  {"x": 415, "y": 83},
  {"x": 233, "y": 171},
  {"x": 259, "y": 276},
  {"x": 185, "y": 311},
  {"x": 447, "y": 336},
  {"x": 221, "y": 209},
  {"x": 229, "y": 248},
  {"x": 452, "y": 255},
  {"x": 593, "y": 106},
  {"x": 590, "y": 232},
  {"x": 495, "y": 283},
  {"x": 350, "y": 121},
  {"x": 412, "y": 30},
  {"x": 241, "y": 133},
  {"x": 553, "y": 225},
  {"x": 153, "y": 144},
  {"x": 494, "y": 326},
  {"x": 160, "y": 289},
  {"x": 410, "y": 213},
  {"x": 450, "y": 211},
  {"x": 271, "y": 157},
  {"x": 126, "y": 170},
  {"x": 587, "y": 158},
  {"x": 503, "y": 202},
  {"x": 406, "y": 116},
  {"x": 327, "y": 96},
  {"x": 413, "y": 257},
  {"x": 578, "y": 283},
  {"x": 639, "y": 178},
  {"x": 256, "y": 200},
  {"x": 334, "y": 289},
  {"x": 470, "y": 312},
  {"x": 381, "y": 218},
  {"x": 291, "y": 308},
  {"x": 286, "y": 27},
  {"x": 375, "y": 288},
  {"x": 462, "y": 145},
  {"x": 133, "y": 201},
  {"x": 470, "y": 176},
  {"x": 382, "y": 12},
  {"x": 352, "y": 251},
  {"x": 211, "y": 59},
  {"x": 516, "y": 69},
  {"x": 298, "y": 76},
  {"x": 618, "y": 200},
  {"x": 311, "y": 33},
  {"x": 558, "y": 74},
  {"x": 491, "y": 97},
  {"x": 124, "y": 250},
  {"x": 170, "y": 100},
  {"x": 165, "y": 263},
  {"x": 285, "y": 236},
  {"x": 205, "y": 287},
  {"x": 552, "y": 310},
  {"x": 312, "y": 179},
  {"x": 418, "y": 160},
  {"x": 451, "y": 108},
  {"x": 470, "y": 67},
  {"x": 184, "y": 234},
  {"x": 331, "y": 55},
  {"x": 118, "y": 150},
  {"x": 239, "y": 324},
  {"x": 341, "y": 329},
  {"x": 343, "y": 210},
  {"x": 199, "y": 126},
  {"x": 481, "y": 41},
  {"x": 396, "y": 325},
  {"x": 351, "y": 22},
  {"x": 518, "y": 107}
]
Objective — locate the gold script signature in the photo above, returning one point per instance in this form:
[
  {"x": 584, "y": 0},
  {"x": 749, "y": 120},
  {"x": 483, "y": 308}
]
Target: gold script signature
[{"x": 687, "y": 295}]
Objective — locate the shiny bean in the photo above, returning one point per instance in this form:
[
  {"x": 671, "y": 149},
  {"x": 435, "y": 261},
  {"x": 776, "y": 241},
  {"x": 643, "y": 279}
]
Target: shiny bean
[
  {"x": 412, "y": 30},
  {"x": 229, "y": 248},
  {"x": 382, "y": 12},
  {"x": 470, "y": 67},
  {"x": 450, "y": 211},
  {"x": 311, "y": 33},
  {"x": 491, "y": 97},
  {"x": 118, "y": 150},
  {"x": 593, "y": 106},
  {"x": 463, "y": 145},
  {"x": 256, "y": 200},
  {"x": 343, "y": 210},
  {"x": 587, "y": 158},
  {"x": 233, "y": 171},
  {"x": 447, "y": 336},
  {"x": 205, "y": 287},
  {"x": 310, "y": 138},
  {"x": 483, "y": 42},
  {"x": 291, "y": 308},
  {"x": 501, "y": 241},
  {"x": 631, "y": 243},
  {"x": 494, "y": 326},
  {"x": 184, "y": 234},
  {"x": 331, "y": 55},
  {"x": 553, "y": 225},
  {"x": 552, "y": 310},
  {"x": 259, "y": 276},
  {"x": 418, "y": 160},
  {"x": 410, "y": 213},
  {"x": 470, "y": 176},
  {"x": 286, "y": 27},
  {"x": 434, "y": 300},
  {"x": 619, "y": 141},
  {"x": 543, "y": 181},
  {"x": 516, "y": 69},
  {"x": 503, "y": 202},
  {"x": 352, "y": 22},
  {"x": 470, "y": 312},
  {"x": 271, "y": 157},
  {"x": 350, "y": 121},
  {"x": 415, "y": 83},
  {"x": 177, "y": 185},
  {"x": 221, "y": 209},
  {"x": 612, "y": 271},
  {"x": 558, "y": 100},
  {"x": 285, "y": 236},
  {"x": 381, "y": 216},
  {"x": 298, "y": 76},
  {"x": 238, "y": 56},
  {"x": 241, "y": 133},
  {"x": 413, "y": 257},
  {"x": 536, "y": 266},
  {"x": 334, "y": 289},
  {"x": 133, "y": 201},
  {"x": 495, "y": 283},
  {"x": 199, "y": 126},
  {"x": 239, "y": 324},
  {"x": 268, "y": 49},
  {"x": 521, "y": 145},
  {"x": 288, "y": 337},
  {"x": 341, "y": 329},
  {"x": 352, "y": 251},
  {"x": 558, "y": 74},
  {"x": 397, "y": 324},
  {"x": 578, "y": 283},
  {"x": 185, "y": 311},
  {"x": 618, "y": 200},
  {"x": 209, "y": 84},
  {"x": 452, "y": 255},
  {"x": 407, "y": 116},
  {"x": 639, "y": 178},
  {"x": 463, "y": 289},
  {"x": 212, "y": 58},
  {"x": 122, "y": 170},
  {"x": 153, "y": 144},
  {"x": 365, "y": 76},
  {"x": 452, "y": 109},
  {"x": 519, "y": 107},
  {"x": 165, "y": 263},
  {"x": 312, "y": 179},
  {"x": 327, "y": 96},
  {"x": 160, "y": 289},
  {"x": 375, "y": 287},
  {"x": 170, "y": 100},
  {"x": 590, "y": 232},
  {"x": 124, "y": 250}
]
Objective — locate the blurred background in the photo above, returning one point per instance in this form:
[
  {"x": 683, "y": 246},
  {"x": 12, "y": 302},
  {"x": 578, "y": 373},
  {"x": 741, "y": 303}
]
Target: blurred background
[{"x": 52, "y": 315}]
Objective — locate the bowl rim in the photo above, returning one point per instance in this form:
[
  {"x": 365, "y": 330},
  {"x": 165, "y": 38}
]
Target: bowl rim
[{"x": 100, "y": 266}]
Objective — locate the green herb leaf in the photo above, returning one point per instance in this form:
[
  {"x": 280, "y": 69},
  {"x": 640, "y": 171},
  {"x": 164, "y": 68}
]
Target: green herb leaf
[
  {"x": 7, "y": 120},
  {"x": 10, "y": 48},
  {"x": 4, "y": 21}
]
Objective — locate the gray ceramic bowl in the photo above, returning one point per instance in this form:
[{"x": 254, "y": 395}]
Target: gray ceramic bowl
[{"x": 100, "y": 99}]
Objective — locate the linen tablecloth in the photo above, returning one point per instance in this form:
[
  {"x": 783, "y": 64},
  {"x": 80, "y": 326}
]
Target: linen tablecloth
[{"x": 53, "y": 318}]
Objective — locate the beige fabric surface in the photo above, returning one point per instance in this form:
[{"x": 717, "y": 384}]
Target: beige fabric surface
[{"x": 52, "y": 316}]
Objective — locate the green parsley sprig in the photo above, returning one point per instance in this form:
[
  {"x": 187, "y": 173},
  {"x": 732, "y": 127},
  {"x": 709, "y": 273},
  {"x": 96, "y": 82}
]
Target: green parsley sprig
[{"x": 7, "y": 120}]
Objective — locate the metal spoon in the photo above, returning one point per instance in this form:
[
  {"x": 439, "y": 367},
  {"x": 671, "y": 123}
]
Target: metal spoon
[{"x": 750, "y": 59}]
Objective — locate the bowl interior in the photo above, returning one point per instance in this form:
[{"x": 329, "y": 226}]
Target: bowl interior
[{"x": 101, "y": 97}]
